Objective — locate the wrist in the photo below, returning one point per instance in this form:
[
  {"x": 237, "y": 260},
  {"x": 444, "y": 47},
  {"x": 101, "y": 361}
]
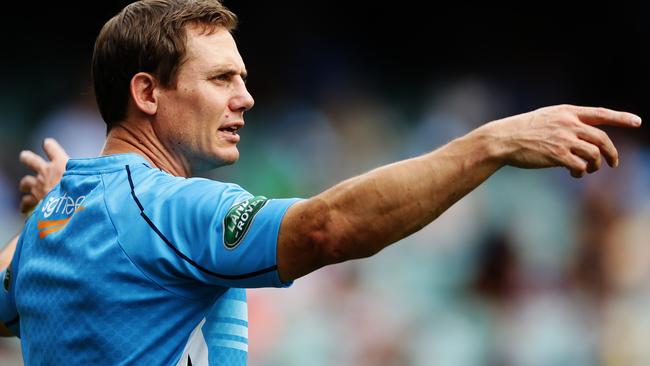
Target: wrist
[{"x": 489, "y": 144}]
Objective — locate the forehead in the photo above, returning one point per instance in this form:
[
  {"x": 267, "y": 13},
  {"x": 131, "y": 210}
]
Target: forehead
[{"x": 210, "y": 49}]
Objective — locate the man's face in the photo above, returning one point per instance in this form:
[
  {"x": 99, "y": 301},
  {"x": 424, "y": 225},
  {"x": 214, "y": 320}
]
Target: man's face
[{"x": 199, "y": 119}]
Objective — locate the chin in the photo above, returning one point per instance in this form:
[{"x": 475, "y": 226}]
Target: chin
[
  {"x": 227, "y": 157},
  {"x": 229, "y": 161},
  {"x": 216, "y": 160}
]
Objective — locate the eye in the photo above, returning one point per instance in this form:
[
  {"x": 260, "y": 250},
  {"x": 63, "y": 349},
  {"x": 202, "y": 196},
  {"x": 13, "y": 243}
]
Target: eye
[
  {"x": 228, "y": 77},
  {"x": 222, "y": 77}
]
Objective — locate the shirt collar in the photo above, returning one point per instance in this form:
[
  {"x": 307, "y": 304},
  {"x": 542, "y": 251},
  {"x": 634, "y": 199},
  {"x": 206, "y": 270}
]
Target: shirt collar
[{"x": 104, "y": 163}]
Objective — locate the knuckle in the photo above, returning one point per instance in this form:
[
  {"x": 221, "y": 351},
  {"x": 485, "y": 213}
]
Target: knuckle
[
  {"x": 602, "y": 136},
  {"x": 559, "y": 151},
  {"x": 563, "y": 122},
  {"x": 567, "y": 120},
  {"x": 600, "y": 112},
  {"x": 565, "y": 152},
  {"x": 565, "y": 136},
  {"x": 594, "y": 152}
]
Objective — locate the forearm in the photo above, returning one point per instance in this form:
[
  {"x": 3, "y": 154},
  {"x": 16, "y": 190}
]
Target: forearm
[
  {"x": 360, "y": 216},
  {"x": 376, "y": 209}
]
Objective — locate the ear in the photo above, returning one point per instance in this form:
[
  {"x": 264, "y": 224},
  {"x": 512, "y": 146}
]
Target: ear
[{"x": 144, "y": 92}]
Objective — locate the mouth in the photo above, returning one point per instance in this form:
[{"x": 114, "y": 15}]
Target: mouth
[
  {"x": 230, "y": 131},
  {"x": 233, "y": 129}
]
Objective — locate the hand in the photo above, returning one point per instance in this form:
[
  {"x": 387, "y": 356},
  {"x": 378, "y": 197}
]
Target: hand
[
  {"x": 561, "y": 135},
  {"x": 48, "y": 173}
]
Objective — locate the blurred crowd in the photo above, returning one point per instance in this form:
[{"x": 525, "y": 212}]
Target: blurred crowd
[{"x": 534, "y": 268}]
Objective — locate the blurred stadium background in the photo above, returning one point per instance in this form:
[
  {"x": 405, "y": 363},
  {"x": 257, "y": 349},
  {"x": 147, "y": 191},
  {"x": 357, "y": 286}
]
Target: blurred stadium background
[{"x": 534, "y": 268}]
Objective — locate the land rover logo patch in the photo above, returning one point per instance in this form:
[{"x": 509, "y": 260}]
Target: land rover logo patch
[
  {"x": 7, "y": 279},
  {"x": 238, "y": 220}
]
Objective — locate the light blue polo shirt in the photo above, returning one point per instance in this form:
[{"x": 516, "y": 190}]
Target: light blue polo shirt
[{"x": 123, "y": 264}]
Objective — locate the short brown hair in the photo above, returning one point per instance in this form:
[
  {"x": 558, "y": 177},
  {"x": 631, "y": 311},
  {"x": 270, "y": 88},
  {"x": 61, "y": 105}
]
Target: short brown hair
[{"x": 147, "y": 36}]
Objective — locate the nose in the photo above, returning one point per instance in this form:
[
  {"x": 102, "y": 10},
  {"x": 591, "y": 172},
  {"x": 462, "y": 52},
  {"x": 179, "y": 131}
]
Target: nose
[{"x": 242, "y": 100}]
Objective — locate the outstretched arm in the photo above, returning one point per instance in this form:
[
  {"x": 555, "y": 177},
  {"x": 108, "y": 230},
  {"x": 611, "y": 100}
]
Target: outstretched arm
[{"x": 360, "y": 216}]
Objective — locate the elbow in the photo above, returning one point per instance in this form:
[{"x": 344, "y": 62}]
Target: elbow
[
  {"x": 312, "y": 236},
  {"x": 324, "y": 235},
  {"x": 326, "y": 248}
]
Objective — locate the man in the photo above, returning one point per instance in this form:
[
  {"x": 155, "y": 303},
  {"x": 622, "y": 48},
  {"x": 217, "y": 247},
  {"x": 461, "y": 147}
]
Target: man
[{"x": 128, "y": 260}]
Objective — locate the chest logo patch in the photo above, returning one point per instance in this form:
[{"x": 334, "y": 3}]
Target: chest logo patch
[{"x": 238, "y": 220}]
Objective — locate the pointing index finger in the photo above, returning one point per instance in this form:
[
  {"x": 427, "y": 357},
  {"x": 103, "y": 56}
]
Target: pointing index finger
[{"x": 603, "y": 116}]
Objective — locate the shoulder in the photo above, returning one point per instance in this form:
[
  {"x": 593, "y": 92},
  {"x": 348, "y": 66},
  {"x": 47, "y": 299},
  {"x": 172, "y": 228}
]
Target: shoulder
[
  {"x": 155, "y": 188},
  {"x": 161, "y": 184}
]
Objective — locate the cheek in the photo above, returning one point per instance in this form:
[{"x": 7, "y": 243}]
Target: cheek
[
  {"x": 195, "y": 114},
  {"x": 174, "y": 130},
  {"x": 191, "y": 113},
  {"x": 206, "y": 113}
]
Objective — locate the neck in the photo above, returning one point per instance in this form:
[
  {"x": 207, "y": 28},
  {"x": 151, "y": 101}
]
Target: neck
[{"x": 140, "y": 138}]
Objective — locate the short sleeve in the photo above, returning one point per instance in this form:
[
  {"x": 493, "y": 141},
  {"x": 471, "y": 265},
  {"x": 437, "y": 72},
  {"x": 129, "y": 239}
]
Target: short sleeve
[{"x": 217, "y": 233}]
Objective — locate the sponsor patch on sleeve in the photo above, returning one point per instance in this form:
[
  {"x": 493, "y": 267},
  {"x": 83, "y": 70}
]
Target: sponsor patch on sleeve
[{"x": 238, "y": 220}]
